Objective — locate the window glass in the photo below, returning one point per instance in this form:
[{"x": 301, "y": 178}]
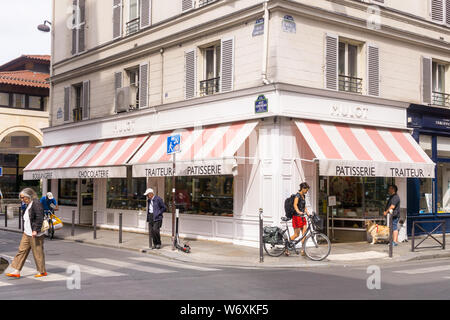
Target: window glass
[
  {"x": 426, "y": 195},
  {"x": 4, "y": 99},
  {"x": 443, "y": 147},
  {"x": 209, "y": 63},
  {"x": 67, "y": 192},
  {"x": 341, "y": 58},
  {"x": 18, "y": 100},
  {"x": 35, "y": 102},
  {"x": 134, "y": 9},
  {"x": 212, "y": 195},
  {"x": 352, "y": 60},
  {"x": 443, "y": 177},
  {"x": 126, "y": 193}
]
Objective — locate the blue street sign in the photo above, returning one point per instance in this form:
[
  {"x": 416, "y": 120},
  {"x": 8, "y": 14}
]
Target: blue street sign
[
  {"x": 261, "y": 104},
  {"x": 1, "y": 172},
  {"x": 174, "y": 144}
]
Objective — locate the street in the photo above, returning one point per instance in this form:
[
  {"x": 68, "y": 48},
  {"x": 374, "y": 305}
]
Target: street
[{"x": 120, "y": 274}]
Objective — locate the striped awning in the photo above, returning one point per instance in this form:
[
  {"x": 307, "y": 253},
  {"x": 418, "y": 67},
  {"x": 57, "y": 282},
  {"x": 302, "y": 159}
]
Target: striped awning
[
  {"x": 351, "y": 150},
  {"x": 96, "y": 159},
  {"x": 206, "y": 150}
]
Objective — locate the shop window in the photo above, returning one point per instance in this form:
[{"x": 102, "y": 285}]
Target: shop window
[
  {"x": 426, "y": 195},
  {"x": 212, "y": 195},
  {"x": 443, "y": 180},
  {"x": 126, "y": 193},
  {"x": 67, "y": 192}
]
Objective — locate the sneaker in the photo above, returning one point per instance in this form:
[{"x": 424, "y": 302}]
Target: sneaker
[
  {"x": 39, "y": 275},
  {"x": 13, "y": 275},
  {"x": 158, "y": 246},
  {"x": 394, "y": 243}
]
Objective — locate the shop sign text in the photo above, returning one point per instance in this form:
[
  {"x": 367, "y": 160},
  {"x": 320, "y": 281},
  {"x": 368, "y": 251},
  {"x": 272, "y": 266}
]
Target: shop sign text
[
  {"x": 350, "y": 112},
  {"x": 88, "y": 174}
]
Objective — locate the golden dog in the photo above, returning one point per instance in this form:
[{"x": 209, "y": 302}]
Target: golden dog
[{"x": 378, "y": 232}]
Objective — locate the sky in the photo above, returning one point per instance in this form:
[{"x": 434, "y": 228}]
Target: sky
[{"x": 18, "y": 28}]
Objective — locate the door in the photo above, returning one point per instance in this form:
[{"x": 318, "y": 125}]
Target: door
[{"x": 86, "y": 201}]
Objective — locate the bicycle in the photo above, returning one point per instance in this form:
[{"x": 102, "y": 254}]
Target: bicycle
[
  {"x": 48, "y": 214},
  {"x": 316, "y": 245}
]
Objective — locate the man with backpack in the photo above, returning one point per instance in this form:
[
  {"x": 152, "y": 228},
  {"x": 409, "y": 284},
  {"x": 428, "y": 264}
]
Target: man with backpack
[{"x": 295, "y": 207}]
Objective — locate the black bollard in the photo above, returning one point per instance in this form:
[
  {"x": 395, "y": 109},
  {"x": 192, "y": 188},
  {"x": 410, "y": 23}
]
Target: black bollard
[
  {"x": 95, "y": 224},
  {"x": 390, "y": 233},
  {"x": 261, "y": 230},
  {"x": 73, "y": 223},
  {"x": 20, "y": 218},
  {"x": 120, "y": 227},
  {"x": 6, "y": 216}
]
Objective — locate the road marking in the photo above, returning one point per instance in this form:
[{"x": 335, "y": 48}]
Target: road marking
[
  {"x": 132, "y": 266},
  {"x": 86, "y": 269},
  {"x": 425, "y": 270},
  {"x": 173, "y": 264},
  {"x": 4, "y": 284},
  {"x": 357, "y": 256}
]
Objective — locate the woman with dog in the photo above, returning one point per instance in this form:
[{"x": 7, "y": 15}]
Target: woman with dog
[{"x": 299, "y": 222}]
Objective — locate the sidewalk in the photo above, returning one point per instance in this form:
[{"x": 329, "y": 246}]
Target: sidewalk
[{"x": 226, "y": 254}]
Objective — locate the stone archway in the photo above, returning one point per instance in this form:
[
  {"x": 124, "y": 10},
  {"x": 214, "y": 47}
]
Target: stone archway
[{"x": 35, "y": 133}]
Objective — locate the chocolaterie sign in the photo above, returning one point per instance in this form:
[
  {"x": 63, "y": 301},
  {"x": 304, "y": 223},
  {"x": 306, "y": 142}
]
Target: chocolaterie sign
[{"x": 75, "y": 173}]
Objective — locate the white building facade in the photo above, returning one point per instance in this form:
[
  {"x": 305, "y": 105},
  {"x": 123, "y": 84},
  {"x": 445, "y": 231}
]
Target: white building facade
[{"x": 264, "y": 95}]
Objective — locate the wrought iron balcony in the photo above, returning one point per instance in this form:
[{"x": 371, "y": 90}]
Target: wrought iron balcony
[
  {"x": 441, "y": 99},
  {"x": 133, "y": 26},
  {"x": 350, "y": 84},
  {"x": 209, "y": 86},
  {"x": 205, "y": 2}
]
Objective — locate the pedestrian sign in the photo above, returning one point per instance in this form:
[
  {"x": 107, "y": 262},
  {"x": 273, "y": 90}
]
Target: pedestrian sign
[
  {"x": 174, "y": 144},
  {"x": 1, "y": 172}
]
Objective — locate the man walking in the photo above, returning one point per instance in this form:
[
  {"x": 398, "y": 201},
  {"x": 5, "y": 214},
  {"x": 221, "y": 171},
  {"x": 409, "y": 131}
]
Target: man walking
[
  {"x": 394, "y": 205},
  {"x": 155, "y": 210}
]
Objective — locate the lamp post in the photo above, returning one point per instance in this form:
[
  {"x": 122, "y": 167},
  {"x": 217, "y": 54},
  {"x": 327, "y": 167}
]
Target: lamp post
[{"x": 44, "y": 27}]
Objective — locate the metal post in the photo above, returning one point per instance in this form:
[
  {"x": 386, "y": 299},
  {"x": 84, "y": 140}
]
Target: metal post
[
  {"x": 120, "y": 227},
  {"x": 20, "y": 218},
  {"x": 6, "y": 216},
  {"x": 261, "y": 231},
  {"x": 73, "y": 223},
  {"x": 95, "y": 224},
  {"x": 173, "y": 203},
  {"x": 443, "y": 235},
  {"x": 150, "y": 239},
  {"x": 390, "y": 233},
  {"x": 413, "y": 236}
]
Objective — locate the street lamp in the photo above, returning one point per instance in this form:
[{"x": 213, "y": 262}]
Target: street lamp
[{"x": 44, "y": 27}]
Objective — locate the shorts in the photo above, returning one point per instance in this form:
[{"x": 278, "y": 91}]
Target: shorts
[
  {"x": 395, "y": 224},
  {"x": 298, "y": 222}
]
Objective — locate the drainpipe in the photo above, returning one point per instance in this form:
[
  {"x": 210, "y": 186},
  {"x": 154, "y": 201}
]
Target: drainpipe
[{"x": 266, "y": 43}]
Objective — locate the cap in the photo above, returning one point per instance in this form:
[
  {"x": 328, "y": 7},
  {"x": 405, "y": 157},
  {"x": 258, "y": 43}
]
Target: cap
[
  {"x": 50, "y": 195},
  {"x": 149, "y": 190}
]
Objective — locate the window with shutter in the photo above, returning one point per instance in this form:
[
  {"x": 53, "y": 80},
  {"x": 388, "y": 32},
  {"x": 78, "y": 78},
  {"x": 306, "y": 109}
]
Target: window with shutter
[
  {"x": 331, "y": 62},
  {"x": 117, "y": 19},
  {"x": 146, "y": 13},
  {"x": 86, "y": 100},
  {"x": 66, "y": 103},
  {"x": 190, "y": 73},
  {"x": 187, "y": 5},
  {"x": 373, "y": 65},
  {"x": 437, "y": 10},
  {"x": 143, "y": 86},
  {"x": 227, "y": 64},
  {"x": 78, "y": 26},
  {"x": 426, "y": 80},
  {"x": 447, "y": 12}
]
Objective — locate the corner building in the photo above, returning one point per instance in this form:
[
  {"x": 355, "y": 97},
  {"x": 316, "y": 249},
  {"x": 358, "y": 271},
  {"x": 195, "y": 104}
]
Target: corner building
[{"x": 258, "y": 95}]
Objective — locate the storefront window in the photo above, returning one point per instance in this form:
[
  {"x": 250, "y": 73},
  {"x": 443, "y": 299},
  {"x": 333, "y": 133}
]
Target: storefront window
[
  {"x": 67, "y": 192},
  {"x": 426, "y": 195},
  {"x": 358, "y": 197},
  {"x": 126, "y": 193},
  {"x": 212, "y": 195},
  {"x": 443, "y": 199}
]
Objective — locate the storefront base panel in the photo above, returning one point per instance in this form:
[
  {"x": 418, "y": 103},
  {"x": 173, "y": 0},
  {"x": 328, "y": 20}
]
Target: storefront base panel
[
  {"x": 427, "y": 226},
  {"x": 349, "y": 236}
]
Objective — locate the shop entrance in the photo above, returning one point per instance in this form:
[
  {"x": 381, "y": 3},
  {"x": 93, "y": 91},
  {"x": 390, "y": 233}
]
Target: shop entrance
[{"x": 86, "y": 192}]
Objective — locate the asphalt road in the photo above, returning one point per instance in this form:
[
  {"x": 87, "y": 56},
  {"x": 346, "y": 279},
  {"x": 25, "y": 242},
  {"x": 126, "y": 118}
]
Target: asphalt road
[{"x": 119, "y": 274}]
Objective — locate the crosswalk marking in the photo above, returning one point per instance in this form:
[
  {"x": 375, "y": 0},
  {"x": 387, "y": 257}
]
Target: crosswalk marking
[
  {"x": 132, "y": 266},
  {"x": 86, "y": 269},
  {"x": 425, "y": 270},
  {"x": 173, "y": 264},
  {"x": 4, "y": 284}
]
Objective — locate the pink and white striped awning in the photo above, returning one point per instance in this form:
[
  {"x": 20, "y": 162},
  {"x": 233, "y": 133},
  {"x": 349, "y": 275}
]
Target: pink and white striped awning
[
  {"x": 206, "y": 150},
  {"x": 350, "y": 150},
  {"x": 97, "y": 159}
]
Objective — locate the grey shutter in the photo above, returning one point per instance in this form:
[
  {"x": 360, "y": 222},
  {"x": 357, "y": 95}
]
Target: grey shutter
[
  {"x": 143, "y": 86},
  {"x": 447, "y": 12},
  {"x": 117, "y": 19},
  {"x": 437, "y": 10},
  {"x": 86, "y": 100},
  {"x": 117, "y": 80},
  {"x": 82, "y": 29},
  {"x": 66, "y": 103},
  {"x": 190, "y": 72},
  {"x": 74, "y": 29},
  {"x": 146, "y": 13},
  {"x": 227, "y": 65},
  {"x": 187, "y": 5},
  {"x": 426, "y": 80},
  {"x": 331, "y": 62},
  {"x": 373, "y": 74}
]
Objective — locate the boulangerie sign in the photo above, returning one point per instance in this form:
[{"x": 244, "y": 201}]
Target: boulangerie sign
[{"x": 75, "y": 173}]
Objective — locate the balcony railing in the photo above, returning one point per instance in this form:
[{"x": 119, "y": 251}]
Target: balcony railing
[
  {"x": 205, "y": 2},
  {"x": 350, "y": 84},
  {"x": 209, "y": 86},
  {"x": 133, "y": 26},
  {"x": 441, "y": 99}
]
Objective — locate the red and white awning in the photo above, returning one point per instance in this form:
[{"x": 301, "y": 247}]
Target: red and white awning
[
  {"x": 350, "y": 150},
  {"x": 206, "y": 150},
  {"x": 98, "y": 159}
]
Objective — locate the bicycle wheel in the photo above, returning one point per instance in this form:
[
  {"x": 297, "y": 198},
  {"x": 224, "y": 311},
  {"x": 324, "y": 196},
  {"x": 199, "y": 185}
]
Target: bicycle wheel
[
  {"x": 317, "y": 246},
  {"x": 274, "y": 250}
]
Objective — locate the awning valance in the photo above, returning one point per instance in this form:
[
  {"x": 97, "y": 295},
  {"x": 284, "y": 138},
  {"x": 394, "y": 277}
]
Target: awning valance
[
  {"x": 206, "y": 150},
  {"x": 97, "y": 159},
  {"x": 350, "y": 150}
]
